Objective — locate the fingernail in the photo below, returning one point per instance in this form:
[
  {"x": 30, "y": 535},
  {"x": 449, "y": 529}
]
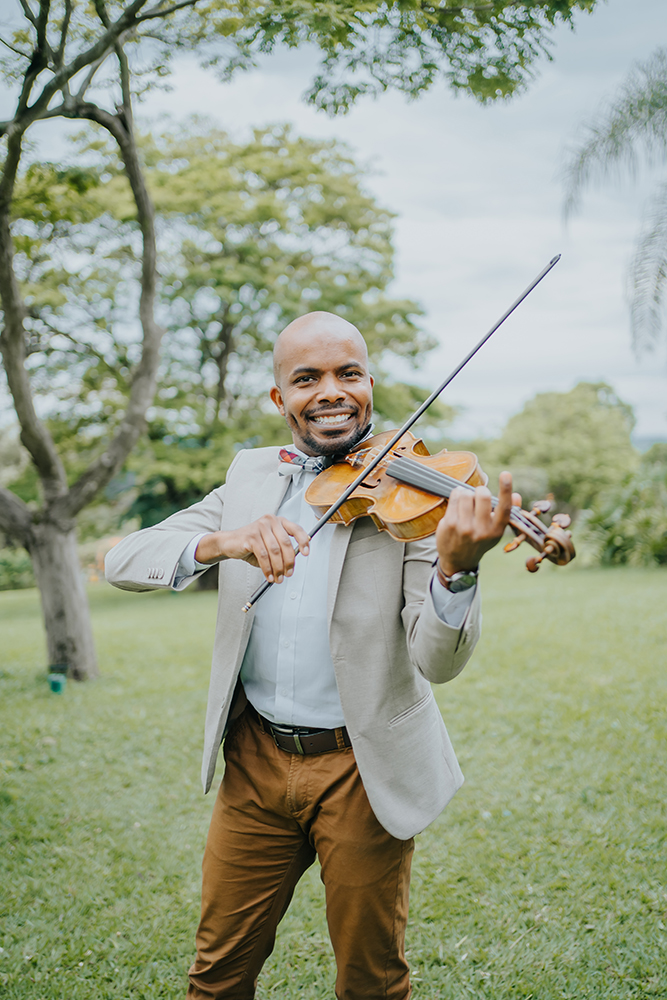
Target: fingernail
[
  {"x": 270, "y": 579},
  {"x": 289, "y": 572}
]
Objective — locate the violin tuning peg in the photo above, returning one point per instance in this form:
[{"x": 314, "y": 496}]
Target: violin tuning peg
[
  {"x": 514, "y": 544},
  {"x": 542, "y": 506},
  {"x": 533, "y": 563},
  {"x": 562, "y": 520}
]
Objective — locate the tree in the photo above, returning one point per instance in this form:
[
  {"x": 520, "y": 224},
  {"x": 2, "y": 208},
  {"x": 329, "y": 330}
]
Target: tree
[
  {"x": 249, "y": 235},
  {"x": 54, "y": 58},
  {"x": 487, "y": 49},
  {"x": 580, "y": 439},
  {"x": 632, "y": 123}
]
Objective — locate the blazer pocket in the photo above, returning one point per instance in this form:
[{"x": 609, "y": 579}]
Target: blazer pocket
[{"x": 412, "y": 710}]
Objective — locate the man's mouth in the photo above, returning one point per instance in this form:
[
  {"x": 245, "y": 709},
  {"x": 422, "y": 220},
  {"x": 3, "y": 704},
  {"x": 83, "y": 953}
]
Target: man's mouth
[{"x": 331, "y": 421}]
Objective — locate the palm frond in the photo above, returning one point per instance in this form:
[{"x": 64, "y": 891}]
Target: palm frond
[
  {"x": 648, "y": 274},
  {"x": 634, "y": 121}
]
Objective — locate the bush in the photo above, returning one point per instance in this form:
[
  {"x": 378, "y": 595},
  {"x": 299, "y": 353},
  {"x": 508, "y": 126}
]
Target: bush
[
  {"x": 15, "y": 570},
  {"x": 629, "y": 524}
]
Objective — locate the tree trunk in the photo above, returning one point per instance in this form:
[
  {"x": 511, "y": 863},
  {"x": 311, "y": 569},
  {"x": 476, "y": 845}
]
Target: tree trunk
[{"x": 65, "y": 609}]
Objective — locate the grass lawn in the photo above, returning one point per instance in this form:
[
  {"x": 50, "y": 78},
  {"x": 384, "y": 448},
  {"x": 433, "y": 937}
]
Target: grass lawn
[{"x": 545, "y": 878}]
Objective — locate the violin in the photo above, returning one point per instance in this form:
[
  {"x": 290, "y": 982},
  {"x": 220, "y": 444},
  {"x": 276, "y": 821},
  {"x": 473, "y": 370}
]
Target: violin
[
  {"x": 407, "y": 491},
  {"x": 553, "y": 543}
]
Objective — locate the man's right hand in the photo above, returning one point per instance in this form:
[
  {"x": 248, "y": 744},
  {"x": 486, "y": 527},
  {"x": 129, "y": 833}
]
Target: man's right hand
[{"x": 265, "y": 543}]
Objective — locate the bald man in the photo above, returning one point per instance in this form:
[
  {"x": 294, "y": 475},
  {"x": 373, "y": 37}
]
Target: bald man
[{"x": 333, "y": 743}]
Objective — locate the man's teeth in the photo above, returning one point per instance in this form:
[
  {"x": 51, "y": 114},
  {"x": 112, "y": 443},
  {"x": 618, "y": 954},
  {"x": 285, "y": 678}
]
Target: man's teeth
[{"x": 340, "y": 418}]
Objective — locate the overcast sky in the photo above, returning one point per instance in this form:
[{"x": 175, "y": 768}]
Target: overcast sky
[{"x": 479, "y": 205}]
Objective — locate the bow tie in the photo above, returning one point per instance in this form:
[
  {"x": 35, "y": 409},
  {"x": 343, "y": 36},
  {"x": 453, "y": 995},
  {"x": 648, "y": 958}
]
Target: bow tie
[{"x": 315, "y": 464}]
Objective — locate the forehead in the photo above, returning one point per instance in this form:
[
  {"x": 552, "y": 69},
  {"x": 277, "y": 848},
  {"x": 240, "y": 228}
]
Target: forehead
[{"x": 320, "y": 351}]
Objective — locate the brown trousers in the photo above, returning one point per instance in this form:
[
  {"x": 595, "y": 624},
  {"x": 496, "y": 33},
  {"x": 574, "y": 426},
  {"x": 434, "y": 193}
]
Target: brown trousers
[{"x": 275, "y": 812}]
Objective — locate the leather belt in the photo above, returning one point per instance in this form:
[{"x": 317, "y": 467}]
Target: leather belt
[{"x": 301, "y": 739}]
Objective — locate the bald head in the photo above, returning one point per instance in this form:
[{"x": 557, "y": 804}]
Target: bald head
[{"x": 310, "y": 330}]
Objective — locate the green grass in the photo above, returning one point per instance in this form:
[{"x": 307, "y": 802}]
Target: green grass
[{"x": 545, "y": 878}]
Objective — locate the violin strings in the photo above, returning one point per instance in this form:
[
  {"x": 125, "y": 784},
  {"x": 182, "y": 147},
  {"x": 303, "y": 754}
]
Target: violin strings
[{"x": 408, "y": 471}]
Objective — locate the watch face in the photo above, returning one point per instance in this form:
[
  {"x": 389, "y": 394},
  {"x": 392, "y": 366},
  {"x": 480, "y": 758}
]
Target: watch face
[{"x": 462, "y": 581}]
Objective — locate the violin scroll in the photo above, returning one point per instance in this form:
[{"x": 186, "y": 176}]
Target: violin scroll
[{"x": 553, "y": 543}]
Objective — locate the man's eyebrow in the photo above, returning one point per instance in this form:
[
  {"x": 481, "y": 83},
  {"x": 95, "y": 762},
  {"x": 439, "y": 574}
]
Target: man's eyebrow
[{"x": 312, "y": 370}]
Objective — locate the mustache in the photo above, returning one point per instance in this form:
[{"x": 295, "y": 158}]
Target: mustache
[{"x": 331, "y": 411}]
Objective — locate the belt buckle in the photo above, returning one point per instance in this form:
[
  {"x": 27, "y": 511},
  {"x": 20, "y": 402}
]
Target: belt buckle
[{"x": 279, "y": 731}]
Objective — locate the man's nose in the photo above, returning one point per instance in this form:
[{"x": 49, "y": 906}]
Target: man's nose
[{"x": 330, "y": 389}]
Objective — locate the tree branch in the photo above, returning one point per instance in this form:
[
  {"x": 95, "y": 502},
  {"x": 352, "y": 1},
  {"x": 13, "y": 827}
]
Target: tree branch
[
  {"x": 24, "y": 55},
  {"x": 26, "y": 115},
  {"x": 28, "y": 13},
  {"x": 102, "y": 12},
  {"x": 144, "y": 379},
  {"x": 157, "y": 12},
  {"x": 64, "y": 28},
  {"x": 34, "y": 434},
  {"x": 88, "y": 79},
  {"x": 15, "y": 518}
]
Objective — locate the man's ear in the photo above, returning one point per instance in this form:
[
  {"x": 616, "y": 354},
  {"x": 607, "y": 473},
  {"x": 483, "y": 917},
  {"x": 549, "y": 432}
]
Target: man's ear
[
  {"x": 277, "y": 398},
  {"x": 372, "y": 380}
]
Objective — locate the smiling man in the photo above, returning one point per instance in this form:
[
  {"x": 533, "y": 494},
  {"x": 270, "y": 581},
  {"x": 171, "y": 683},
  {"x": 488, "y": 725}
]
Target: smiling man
[{"x": 334, "y": 746}]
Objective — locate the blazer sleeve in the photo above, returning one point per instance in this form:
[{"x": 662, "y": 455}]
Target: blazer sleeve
[
  {"x": 148, "y": 559},
  {"x": 439, "y": 651}
]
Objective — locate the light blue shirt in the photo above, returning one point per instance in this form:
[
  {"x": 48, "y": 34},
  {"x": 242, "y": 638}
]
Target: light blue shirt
[{"x": 287, "y": 671}]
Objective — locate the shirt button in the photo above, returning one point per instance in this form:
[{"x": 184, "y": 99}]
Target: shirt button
[
  {"x": 286, "y": 644},
  {"x": 292, "y": 596}
]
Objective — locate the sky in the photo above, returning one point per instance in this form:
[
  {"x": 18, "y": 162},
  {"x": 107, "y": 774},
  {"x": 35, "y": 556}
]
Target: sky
[{"x": 479, "y": 198}]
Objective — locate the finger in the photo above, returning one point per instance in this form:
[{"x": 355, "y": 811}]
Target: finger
[
  {"x": 284, "y": 532},
  {"x": 287, "y": 550},
  {"x": 483, "y": 509},
  {"x": 274, "y": 550},
  {"x": 464, "y": 509},
  {"x": 301, "y": 537},
  {"x": 516, "y": 500},
  {"x": 504, "y": 505},
  {"x": 259, "y": 555}
]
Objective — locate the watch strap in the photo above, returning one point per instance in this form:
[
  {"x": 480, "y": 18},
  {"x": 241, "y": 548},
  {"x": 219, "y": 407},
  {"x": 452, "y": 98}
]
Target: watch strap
[{"x": 447, "y": 580}]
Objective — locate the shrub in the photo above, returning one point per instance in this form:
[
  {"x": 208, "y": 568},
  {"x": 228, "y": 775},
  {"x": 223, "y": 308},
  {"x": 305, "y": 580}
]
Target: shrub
[
  {"x": 15, "y": 570},
  {"x": 628, "y": 524}
]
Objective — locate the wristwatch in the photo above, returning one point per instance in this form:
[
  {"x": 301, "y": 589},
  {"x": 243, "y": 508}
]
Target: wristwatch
[{"x": 458, "y": 582}]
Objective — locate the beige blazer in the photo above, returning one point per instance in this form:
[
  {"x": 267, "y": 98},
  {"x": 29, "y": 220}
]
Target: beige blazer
[{"x": 387, "y": 642}]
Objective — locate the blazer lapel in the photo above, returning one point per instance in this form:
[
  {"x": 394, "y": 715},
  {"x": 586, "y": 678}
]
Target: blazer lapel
[
  {"x": 268, "y": 497},
  {"x": 269, "y": 494}
]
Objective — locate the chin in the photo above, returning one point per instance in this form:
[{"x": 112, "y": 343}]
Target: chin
[{"x": 334, "y": 444}]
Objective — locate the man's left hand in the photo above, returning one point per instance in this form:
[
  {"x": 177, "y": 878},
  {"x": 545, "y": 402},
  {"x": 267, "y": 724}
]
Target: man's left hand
[{"x": 471, "y": 527}]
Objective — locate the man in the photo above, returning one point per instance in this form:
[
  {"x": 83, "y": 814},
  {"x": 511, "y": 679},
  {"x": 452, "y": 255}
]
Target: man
[{"x": 334, "y": 744}]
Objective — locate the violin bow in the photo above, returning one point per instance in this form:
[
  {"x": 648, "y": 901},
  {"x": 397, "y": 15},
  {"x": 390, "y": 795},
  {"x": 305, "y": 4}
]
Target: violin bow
[{"x": 366, "y": 471}]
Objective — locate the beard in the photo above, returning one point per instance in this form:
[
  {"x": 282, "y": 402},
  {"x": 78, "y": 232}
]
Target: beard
[{"x": 338, "y": 447}]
